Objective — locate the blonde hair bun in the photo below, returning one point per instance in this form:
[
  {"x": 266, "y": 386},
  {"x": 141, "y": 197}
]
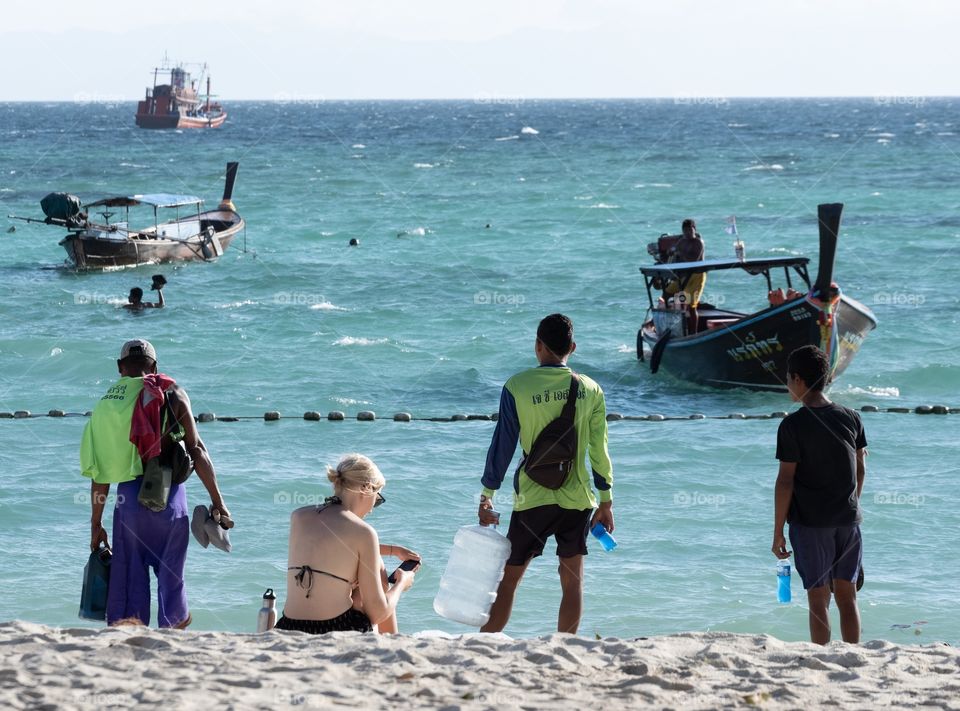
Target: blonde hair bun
[{"x": 357, "y": 471}]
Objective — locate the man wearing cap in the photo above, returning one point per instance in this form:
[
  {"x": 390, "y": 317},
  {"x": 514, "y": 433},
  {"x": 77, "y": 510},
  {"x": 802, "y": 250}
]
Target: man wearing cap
[{"x": 110, "y": 453}]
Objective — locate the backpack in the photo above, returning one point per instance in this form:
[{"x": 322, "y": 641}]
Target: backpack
[
  {"x": 176, "y": 457},
  {"x": 554, "y": 451}
]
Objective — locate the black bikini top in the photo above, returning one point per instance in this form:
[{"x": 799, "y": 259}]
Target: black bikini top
[{"x": 306, "y": 572}]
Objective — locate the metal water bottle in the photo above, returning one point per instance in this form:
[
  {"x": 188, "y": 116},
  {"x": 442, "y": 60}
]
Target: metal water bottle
[{"x": 267, "y": 617}]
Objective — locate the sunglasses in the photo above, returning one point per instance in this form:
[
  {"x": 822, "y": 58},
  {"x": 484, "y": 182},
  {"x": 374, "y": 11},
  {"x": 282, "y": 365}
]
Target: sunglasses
[{"x": 376, "y": 503}]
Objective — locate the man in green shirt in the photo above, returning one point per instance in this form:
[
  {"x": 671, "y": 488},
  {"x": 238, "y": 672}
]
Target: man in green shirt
[
  {"x": 143, "y": 539},
  {"x": 530, "y": 400}
]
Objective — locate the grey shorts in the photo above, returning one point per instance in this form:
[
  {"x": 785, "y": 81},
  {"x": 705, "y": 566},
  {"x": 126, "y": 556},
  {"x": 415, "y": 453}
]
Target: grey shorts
[{"x": 824, "y": 554}]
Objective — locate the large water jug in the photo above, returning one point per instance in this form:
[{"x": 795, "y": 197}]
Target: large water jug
[{"x": 473, "y": 573}]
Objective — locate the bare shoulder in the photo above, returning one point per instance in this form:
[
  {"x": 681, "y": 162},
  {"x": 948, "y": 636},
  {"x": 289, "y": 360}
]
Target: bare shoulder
[
  {"x": 361, "y": 530},
  {"x": 303, "y": 511},
  {"x": 180, "y": 401}
]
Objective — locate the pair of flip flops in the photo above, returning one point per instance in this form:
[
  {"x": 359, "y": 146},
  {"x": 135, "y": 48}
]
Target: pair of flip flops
[{"x": 207, "y": 529}]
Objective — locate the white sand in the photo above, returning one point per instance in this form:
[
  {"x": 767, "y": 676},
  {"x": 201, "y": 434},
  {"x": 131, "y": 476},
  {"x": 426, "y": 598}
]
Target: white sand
[{"x": 83, "y": 668}]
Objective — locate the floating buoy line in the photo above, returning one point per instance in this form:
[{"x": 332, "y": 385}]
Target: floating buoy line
[{"x": 370, "y": 416}]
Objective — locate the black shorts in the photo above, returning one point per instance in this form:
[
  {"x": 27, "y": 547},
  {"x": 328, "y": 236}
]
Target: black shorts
[
  {"x": 530, "y": 529},
  {"x": 823, "y": 555},
  {"x": 350, "y": 621}
]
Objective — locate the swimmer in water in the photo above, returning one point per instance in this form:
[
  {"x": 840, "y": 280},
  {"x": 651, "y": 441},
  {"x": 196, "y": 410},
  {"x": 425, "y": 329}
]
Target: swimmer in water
[{"x": 135, "y": 299}]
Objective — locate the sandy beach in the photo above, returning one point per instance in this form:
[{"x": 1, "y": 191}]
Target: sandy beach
[{"x": 45, "y": 667}]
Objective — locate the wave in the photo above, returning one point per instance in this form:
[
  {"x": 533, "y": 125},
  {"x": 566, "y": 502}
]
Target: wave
[
  {"x": 602, "y": 206},
  {"x": 132, "y": 165},
  {"x": 424, "y": 165},
  {"x": 653, "y": 185},
  {"x": 358, "y": 145},
  {"x": 235, "y": 304},
  {"x": 350, "y": 401},
  {"x": 529, "y": 131},
  {"x": 831, "y": 135},
  {"x": 874, "y": 390},
  {"x": 885, "y": 135},
  {"x": 507, "y": 138},
  {"x": 326, "y": 306},
  {"x": 737, "y": 125},
  {"x": 351, "y": 341},
  {"x": 415, "y": 232},
  {"x": 765, "y": 166}
]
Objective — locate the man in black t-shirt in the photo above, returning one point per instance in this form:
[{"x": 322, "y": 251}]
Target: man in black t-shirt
[{"x": 821, "y": 448}]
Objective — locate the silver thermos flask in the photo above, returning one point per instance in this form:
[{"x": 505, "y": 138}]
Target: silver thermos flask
[{"x": 267, "y": 617}]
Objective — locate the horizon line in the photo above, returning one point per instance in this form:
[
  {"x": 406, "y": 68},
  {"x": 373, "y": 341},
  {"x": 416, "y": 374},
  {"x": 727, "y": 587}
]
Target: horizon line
[{"x": 94, "y": 98}]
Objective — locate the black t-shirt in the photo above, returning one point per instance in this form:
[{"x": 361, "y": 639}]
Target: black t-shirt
[{"x": 823, "y": 441}]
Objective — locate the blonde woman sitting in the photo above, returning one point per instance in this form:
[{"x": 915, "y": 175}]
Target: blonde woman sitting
[{"x": 336, "y": 579}]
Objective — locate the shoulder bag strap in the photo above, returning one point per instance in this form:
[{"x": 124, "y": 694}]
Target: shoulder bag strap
[{"x": 570, "y": 406}]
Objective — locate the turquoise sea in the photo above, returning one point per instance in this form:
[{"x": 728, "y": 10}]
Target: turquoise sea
[{"x": 475, "y": 220}]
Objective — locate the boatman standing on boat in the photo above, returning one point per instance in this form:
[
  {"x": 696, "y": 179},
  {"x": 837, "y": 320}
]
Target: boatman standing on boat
[
  {"x": 689, "y": 248},
  {"x": 530, "y": 401}
]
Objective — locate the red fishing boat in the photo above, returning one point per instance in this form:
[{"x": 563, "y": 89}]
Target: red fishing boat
[{"x": 177, "y": 103}]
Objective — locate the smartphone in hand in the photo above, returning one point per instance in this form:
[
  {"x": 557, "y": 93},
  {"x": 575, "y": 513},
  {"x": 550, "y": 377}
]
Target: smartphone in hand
[{"x": 411, "y": 564}]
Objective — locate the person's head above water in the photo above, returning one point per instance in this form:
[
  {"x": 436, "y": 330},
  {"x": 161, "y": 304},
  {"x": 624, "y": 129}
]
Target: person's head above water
[
  {"x": 689, "y": 227},
  {"x": 357, "y": 481},
  {"x": 137, "y": 358},
  {"x": 555, "y": 339},
  {"x": 136, "y": 295}
]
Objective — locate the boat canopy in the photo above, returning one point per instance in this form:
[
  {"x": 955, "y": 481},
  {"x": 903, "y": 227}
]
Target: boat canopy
[
  {"x": 679, "y": 270},
  {"x": 152, "y": 199}
]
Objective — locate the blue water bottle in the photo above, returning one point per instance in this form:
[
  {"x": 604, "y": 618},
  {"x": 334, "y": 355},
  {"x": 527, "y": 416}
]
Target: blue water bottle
[
  {"x": 783, "y": 581},
  {"x": 602, "y": 535}
]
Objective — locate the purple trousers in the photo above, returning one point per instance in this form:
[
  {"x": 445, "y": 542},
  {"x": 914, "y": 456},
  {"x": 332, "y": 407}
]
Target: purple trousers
[{"x": 145, "y": 540}]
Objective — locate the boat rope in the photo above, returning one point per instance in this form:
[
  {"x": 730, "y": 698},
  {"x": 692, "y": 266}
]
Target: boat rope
[{"x": 370, "y": 416}]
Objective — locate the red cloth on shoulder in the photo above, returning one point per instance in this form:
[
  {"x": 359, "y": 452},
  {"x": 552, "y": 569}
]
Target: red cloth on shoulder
[{"x": 147, "y": 422}]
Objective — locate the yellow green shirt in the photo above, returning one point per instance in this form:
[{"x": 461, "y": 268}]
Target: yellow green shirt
[
  {"x": 530, "y": 400},
  {"x": 106, "y": 453}
]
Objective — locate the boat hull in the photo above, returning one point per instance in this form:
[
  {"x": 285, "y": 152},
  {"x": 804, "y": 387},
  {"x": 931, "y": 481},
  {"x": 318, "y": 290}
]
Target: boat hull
[
  {"x": 178, "y": 121},
  {"x": 752, "y": 353},
  {"x": 87, "y": 251}
]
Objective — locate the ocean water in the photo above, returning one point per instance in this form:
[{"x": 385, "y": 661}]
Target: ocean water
[{"x": 475, "y": 220}]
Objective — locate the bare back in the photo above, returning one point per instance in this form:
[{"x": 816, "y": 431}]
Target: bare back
[{"x": 330, "y": 540}]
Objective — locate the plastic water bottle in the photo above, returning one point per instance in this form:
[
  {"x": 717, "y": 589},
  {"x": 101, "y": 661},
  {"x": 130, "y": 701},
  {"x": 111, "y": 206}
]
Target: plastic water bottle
[
  {"x": 783, "y": 581},
  {"x": 96, "y": 580},
  {"x": 267, "y": 617},
  {"x": 601, "y": 534},
  {"x": 473, "y": 573},
  {"x": 738, "y": 250}
]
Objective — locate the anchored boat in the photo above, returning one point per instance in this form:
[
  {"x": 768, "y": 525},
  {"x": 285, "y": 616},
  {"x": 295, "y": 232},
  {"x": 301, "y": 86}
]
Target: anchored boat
[
  {"x": 726, "y": 348},
  {"x": 176, "y": 103},
  {"x": 188, "y": 234}
]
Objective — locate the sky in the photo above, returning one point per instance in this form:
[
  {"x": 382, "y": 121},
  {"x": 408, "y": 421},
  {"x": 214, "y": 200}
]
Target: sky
[{"x": 87, "y": 50}]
